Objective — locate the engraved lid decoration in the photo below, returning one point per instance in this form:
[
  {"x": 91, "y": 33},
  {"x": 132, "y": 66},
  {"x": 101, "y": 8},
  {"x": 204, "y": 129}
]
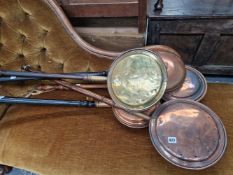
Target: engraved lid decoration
[{"x": 137, "y": 79}]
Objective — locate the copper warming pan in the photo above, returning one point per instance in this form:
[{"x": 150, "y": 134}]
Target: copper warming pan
[
  {"x": 174, "y": 65},
  {"x": 193, "y": 88},
  {"x": 188, "y": 134}
]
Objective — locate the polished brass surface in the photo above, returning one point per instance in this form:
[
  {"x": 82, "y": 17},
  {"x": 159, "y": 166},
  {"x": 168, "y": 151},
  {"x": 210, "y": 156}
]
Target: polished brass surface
[
  {"x": 193, "y": 88},
  {"x": 188, "y": 134},
  {"x": 137, "y": 79},
  {"x": 131, "y": 120},
  {"x": 96, "y": 79}
]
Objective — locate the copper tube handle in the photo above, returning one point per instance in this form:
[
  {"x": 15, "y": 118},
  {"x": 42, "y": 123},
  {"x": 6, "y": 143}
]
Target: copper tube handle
[
  {"x": 100, "y": 98},
  {"x": 88, "y": 93},
  {"x": 92, "y": 86},
  {"x": 60, "y": 87}
]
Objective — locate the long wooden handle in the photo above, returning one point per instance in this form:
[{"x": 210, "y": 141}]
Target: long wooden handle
[
  {"x": 100, "y": 98},
  {"x": 79, "y": 76},
  {"x": 53, "y": 102}
]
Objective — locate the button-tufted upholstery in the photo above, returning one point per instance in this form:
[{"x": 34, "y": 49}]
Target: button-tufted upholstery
[
  {"x": 31, "y": 34},
  {"x": 70, "y": 140}
]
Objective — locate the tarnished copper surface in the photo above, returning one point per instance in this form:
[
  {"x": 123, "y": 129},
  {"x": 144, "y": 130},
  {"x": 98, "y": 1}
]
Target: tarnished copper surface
[
  {"x": 175, "y": 70},
  {"x": 162, "y": 48},
  {"x": 137, "y": 79},
  {"x": 131, "y": 120},
  {"x": 188, "y": 134},
  {"x": 92, "y": 86},
  {"x": 193, "y": 88},
  {"x": 174, "y": 65}
]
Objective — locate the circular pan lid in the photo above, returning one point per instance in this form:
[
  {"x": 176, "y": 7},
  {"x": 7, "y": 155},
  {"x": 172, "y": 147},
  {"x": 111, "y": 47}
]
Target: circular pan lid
[
  {"x": 137, "y": 79},
  {"x": 193, "y": 88},
  {"x": 188, "y": 134},
  {"x": 175, "y": 66},
  {"x": 131, "y": 120}
]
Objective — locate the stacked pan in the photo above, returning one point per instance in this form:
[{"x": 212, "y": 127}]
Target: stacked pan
[
  {"x": 185, "y": 132},
  {"x": 151, "y": 87}
]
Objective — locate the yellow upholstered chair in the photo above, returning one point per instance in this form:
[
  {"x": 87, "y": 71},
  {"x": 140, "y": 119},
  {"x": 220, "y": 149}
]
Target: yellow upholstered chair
[{"x": 71, "y": 140}]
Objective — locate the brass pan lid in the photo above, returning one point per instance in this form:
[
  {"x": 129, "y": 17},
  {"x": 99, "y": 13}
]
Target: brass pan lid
[
  {"x": 131, "y": 120},
  {"x": 137, "y": 79},
  {"x": 176, "y": 71},
  {"x": 193, "y": 88},
  {"x": 188, "y": 134}
]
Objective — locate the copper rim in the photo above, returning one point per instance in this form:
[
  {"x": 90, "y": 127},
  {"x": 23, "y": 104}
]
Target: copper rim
[
  {"x": 132, "y": 121},
  {"x": 193, "y": 88},
  {"x": 175, "y": 66},
  {"x": 162, "y": 48},
  {"x": 158, "y": 89},
  {"x": 188, "y": 134}
]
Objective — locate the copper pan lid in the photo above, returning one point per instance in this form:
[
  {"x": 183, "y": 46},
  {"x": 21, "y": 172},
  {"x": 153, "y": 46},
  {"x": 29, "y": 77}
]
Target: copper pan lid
[
  {"x": 188, "y": 134},
  {"x": 162, "y": 48},
  {"x": 133, "y": 121},
  {"x": 193, "y": 88},
  {"x": 174, "y": 65}
]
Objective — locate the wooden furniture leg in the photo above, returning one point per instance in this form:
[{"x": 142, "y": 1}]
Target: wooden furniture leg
[{"x": 142, "y": 16}]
